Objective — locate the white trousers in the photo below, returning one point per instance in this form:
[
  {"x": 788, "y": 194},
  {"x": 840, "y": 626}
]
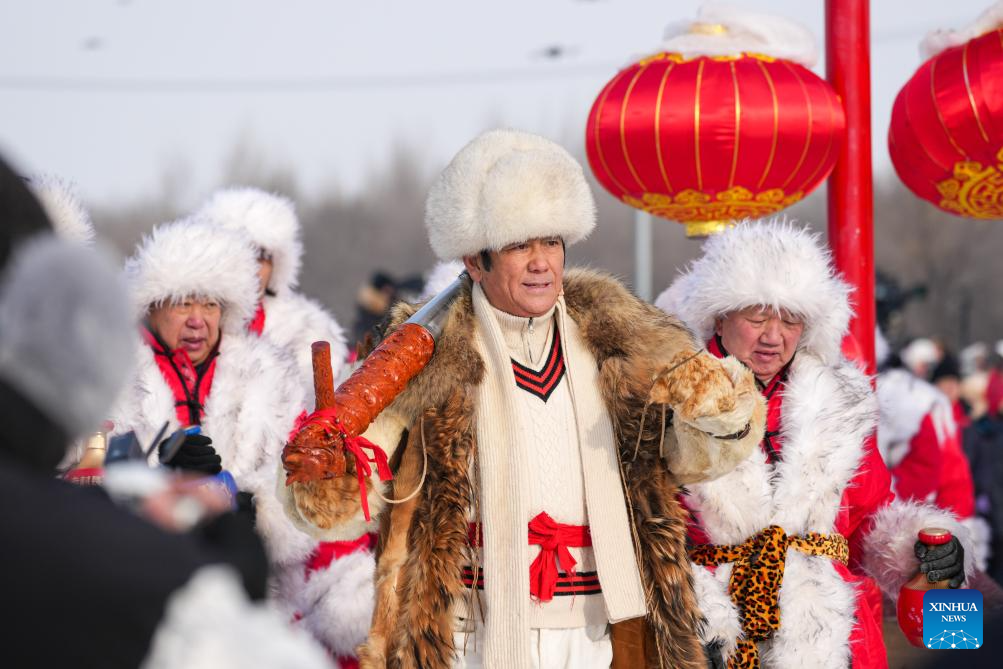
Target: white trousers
[{"x": 575, "y": 648}]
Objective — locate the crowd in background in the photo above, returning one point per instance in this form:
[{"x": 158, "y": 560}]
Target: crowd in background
[{"x": 965, "y": 463}]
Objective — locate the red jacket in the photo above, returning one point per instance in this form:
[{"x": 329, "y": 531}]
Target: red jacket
[{"x": 921, "y": 442}]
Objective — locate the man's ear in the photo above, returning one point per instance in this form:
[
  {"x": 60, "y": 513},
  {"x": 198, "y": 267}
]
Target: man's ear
[
  {"x": 717, "y": 325},
  {"x": 473, "y": 265}
]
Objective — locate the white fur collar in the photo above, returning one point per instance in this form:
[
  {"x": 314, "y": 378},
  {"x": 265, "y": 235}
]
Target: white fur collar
[
  {"x": 292, "y": 323},
  {"x": 827, "y": 413},
  {"x": 252, "y": 406}
]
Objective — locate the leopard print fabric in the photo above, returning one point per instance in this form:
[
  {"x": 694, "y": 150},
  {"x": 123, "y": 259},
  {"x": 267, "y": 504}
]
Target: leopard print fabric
[{"x": 756, "y": 578}]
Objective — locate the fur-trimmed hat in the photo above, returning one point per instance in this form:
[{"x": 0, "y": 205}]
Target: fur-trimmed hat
[
  {"x": 505, "y": 187},
  {"x": 770, "y": 263},
  {"x": 271, "y": 223},
  {"x": 193, "y": 258},
  {"x": 65, "y": 328},
  {"x": 63, "y": 207}
]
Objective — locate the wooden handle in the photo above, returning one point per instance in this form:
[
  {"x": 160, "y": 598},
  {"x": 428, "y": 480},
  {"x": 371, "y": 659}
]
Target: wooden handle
[{"x": 323, "y": 377}]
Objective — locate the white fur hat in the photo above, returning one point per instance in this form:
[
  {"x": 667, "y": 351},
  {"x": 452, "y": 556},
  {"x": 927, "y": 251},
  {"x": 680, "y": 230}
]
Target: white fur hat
[
  {"x": 65, "y": 328},
  {"x": 195, "y": 258},
  {"x": 505, "y": 187},
  {"x": 61, "y": 204},
  {"x": 919, "y": 353},
  {"x": 943, "y": 39},
  {"x": 270, "y": 222},
  {"x": 770, "y": 263},
  {"x": 724, "y": 30}
]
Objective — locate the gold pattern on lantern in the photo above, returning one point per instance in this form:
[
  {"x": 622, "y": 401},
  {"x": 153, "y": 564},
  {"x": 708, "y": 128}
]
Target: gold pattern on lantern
[
  {"x": 680, "y": 58},
  {"x": 693, "y": 206},
  {"x": 703, "y": 229},
  {"x": 975, "y": 190}
]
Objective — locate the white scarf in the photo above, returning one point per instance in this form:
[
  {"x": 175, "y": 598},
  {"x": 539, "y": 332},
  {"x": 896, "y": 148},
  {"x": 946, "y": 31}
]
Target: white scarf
[{"x": 504, "y": 478}]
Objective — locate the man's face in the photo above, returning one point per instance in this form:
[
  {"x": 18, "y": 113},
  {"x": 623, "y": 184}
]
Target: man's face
[
  {"x": 265, "y": 268},
  {"x": 525, "y": 279},
  {"x": 761, "y": 338},
  {"x": 192, "y": 325}
]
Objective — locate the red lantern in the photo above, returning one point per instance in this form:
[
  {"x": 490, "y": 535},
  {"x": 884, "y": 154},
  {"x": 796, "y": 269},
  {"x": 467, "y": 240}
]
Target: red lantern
[
  {"x": 712, "y": 139},
  {"x": 946, "y": 133}
]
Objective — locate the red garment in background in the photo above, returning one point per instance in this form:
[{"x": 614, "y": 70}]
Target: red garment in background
[
  {"x": 994, "y": 392},
  {"x": 935, "y": 468}
]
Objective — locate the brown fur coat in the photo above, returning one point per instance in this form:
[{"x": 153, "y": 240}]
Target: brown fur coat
[{"x": 424, "y": 541}]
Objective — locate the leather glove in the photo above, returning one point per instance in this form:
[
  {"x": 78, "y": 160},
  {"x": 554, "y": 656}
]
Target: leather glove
[
  {"x": 942, "y": 562},
  {"x": 195, "y": 455},
  {"x": 715, "y": 659}
]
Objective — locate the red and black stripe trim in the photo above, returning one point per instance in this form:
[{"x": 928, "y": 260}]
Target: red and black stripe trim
[
  {"x": 542, "y": 383},
  {"x": 582, "y": 583}
]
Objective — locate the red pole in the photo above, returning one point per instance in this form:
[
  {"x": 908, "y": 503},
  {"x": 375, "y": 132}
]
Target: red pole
[{"x": 851, "y": 196}]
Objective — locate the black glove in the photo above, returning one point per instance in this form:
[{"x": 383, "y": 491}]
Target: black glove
[
  {"x": 233, "y": 538},
  {"x": 715, "y": 659},
  {"x": 195, "y": 455},
  {"x": 943, "y": 562}
]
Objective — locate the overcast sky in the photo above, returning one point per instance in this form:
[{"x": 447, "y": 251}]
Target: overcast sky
[{"x": 111, "y": 93}]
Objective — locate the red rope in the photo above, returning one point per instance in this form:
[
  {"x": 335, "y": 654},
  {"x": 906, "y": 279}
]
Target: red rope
[{"x": 357, "y": 446}]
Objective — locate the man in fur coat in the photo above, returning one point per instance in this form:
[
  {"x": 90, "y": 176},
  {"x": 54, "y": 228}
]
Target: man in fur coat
[
  {"x": 533, "y": 504},
  {"x": 195, "y": 287},
  {"x": 815, "y": 497},
  {"x": 284, "y": 317}
]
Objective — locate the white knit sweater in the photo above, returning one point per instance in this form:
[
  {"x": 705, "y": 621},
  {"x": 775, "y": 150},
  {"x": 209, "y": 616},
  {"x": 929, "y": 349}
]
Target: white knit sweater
[{"x": 556, "y": 482}]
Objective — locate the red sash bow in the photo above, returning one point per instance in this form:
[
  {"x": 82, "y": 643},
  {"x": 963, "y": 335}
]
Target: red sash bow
[
  {"x": 357, "y": 446},
  {"x": 554, "y": 539}
]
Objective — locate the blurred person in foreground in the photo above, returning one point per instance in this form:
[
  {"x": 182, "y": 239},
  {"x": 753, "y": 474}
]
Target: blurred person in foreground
[
  {"x": 813, "y": 504},
  {"x": 71, "y": 221},
  {"x": 286, "y": 318},
  {"x": 538, "y": 507},
  {"x": 86, "y": 583},
  {"x": 195, "y": 286}
]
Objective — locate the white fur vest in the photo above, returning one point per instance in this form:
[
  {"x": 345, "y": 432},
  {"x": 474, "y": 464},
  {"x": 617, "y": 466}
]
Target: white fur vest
[{"x": 292, "y": 323}]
